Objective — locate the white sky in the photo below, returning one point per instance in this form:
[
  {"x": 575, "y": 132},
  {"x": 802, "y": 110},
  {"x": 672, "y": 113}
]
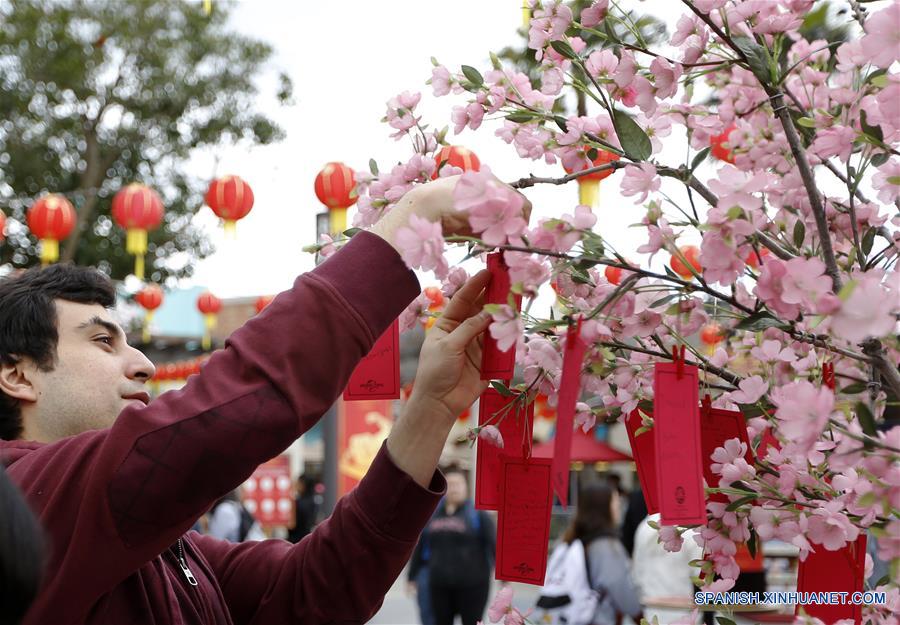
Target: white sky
[{"x": 346, "y": 60}]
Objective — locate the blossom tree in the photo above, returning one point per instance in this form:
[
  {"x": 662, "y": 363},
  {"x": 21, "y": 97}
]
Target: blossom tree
[{"x": 796, "y": 272}]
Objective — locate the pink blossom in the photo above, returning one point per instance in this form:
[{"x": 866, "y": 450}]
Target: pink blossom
[
  {"x": 834, "y": 141},
  {"x": 440, "y": 80},
  {"x": 720, "y": 258},
  {"x": 737, "y": 188},
  {"x": 666, "y": 77},
  {"x": 501, "y": 604},
  {"x": 795, "y": 285},
  {"x": 552, "y": 81},
  {"x": 708, "y": 6},
  {"x": 422, "y": 246},
  {"x": 641, "y": 324},
  {"x": 400, "y": 112},
  {"x": 602, "y": 63},
  {"x": 529, "y": 271},
  {"x": 454, "y": 281},
  {"x": 492, "y": 435},
  {"x": 584, "y": 416},
  {"x": 594, "y": 14},
  {"x": 658, "y": 236},
  {"x": 830, "y": 527},
  {"x": 887, "y": 181},
  {"x": 869, "y": 309},
  {"x": 542, "y": 360},
  {"x": 772, "y": 351},
  {"x": 327, "y": 246},
  {"x": 416, "y": 311},
  {"x": 881, "y": 43},
  {"x": 625, "y": 70},
  {"x": 506, "y": 327},
  {"x": 640, "y": 179},
  {"x": 514, "y": 617},
  {"x": 720, "y": 585},
  {"x": 751, "y": 389},
  {"x": 889, "y": 544},
  {"x": 468, "y": 116},
  {"x": 803, "y": 411},
  {"x": 495, "y": 210},
  {"x": 670, "y": 538}
]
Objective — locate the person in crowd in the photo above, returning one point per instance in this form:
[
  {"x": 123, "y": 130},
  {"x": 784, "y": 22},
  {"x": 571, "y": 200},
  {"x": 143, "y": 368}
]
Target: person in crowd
[
  {"x": 21, "y": 553},
  {"x": 590, "y": 555},
  {"x": 634, "y": 516},
  {"x": 664, "y": 574},
  {"x": 305, "y": 509},
  {"x": 229, "y": 520},
  {"x": 459, "y": 543},
  {"x": 117, "y": 481}
]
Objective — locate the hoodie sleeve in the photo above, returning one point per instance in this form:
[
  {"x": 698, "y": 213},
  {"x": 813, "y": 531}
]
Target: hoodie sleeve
[
  {"x": 113, "y": 499},
  {"x": 339, "y": 573}
]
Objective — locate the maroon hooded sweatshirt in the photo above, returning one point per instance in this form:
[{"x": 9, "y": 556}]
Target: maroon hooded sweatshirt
[{"x": 115, "y": 502}]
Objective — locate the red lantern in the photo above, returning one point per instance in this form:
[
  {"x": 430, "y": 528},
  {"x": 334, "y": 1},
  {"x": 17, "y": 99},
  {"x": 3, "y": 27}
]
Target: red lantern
[
  {"x": 336, "y": 188},
  {"x": 170, "y": 371},
  {"x": 262, "y": 301},
  {"x": 691, "y": 253},
  {"x": 754, "y": 260},
  {"x": 209, "y": 305},
  {"x": 456, "y": 156},
  {"x": 711, "y": 334},
  {"x": 137, "y": 208},
  {"x": 231, "y": 199},
  {"x": 589, "y": 185},
  {"x": 435, "y": 296},
  {"x": 51, "y": 219},
  {"x": 721, "y": 149},
  {"x": 150, "y": 298},
  {"x": 2, "y": 226}
]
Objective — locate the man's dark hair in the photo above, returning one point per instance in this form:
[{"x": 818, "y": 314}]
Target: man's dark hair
[{"x": 28, "y": 321}]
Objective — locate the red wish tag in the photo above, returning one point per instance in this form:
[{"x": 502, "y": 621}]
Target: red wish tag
[
  {"x": 716, "y": 427},
  {"x": 516, "y": 426},
  {"x": 644, "y": 451},
  {"x": 569, "y": 388},
  {"x": 497, "y": 365},
  {"x": 834, "y": 571},
  {"x": 676, "y": 421},
  {"x": 523, "y": 523},
  {"x": 377, "y": 376}
]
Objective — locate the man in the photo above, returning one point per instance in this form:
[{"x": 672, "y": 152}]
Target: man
[
  {"x": 21, "y": 554},
  {"x": 117, "y": 482}
]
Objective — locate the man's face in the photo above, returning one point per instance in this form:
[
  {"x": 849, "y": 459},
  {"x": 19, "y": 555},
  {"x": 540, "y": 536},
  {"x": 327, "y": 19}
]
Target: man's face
[
  {"x": 96, "y": 374},
  {"x": 457, "y": 489}
]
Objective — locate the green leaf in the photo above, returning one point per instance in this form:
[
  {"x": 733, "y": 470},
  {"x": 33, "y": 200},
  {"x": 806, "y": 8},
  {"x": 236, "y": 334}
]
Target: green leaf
[
  {"x": 799, "y": 233},
  {"x": 734, "y": 505},
  {"x": 520, "y": 118},
  {"x": 868, "y": 241},
  {"x": 593, "y": 153},
  {"x": 751, "y": 410},
  {"x": 373, "y": 167},
  {"x": 663, "y": 300},
  {"x": 564, "y": 49},
  {"x": 866, "y": 419},
  {"x": 806, "y": 122},
  {"x": 724, "y": 620},
  {"x": 635, "y": 142},
  {"x": 759, "y": 321},
  {"x": 473, "y": 75},
  {"x": 880, "y": 159},
  {"x": 501, "y": 388},
  {"x": 351, "y": 231},
  {"x": 756, "y": 57},
  {"x": 752, "y": 542},
  {"x": 699, "y": 158},
  {"x": 854, "y": 389},
  {"x": 873, "y": 131},
  {"x": 561, "y": 122}
]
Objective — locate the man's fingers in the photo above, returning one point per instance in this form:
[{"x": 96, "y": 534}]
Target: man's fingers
[
  {"x": 467, "y": 331},
  {"x": 463, "y": 301}
]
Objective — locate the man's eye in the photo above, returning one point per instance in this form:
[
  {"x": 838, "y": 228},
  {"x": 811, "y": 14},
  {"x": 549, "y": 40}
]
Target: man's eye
[{"x": 105, "y": 339}]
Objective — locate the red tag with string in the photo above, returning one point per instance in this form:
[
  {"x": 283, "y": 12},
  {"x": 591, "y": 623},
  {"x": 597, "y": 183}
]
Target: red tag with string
[
  {"x": 377, "y": 376},
  {"x": 495, "y": 364},
  {"x": 516, "y": 425},
  {"x": 523, "y": 522},
  {"x": 716, "y": 427},
  {"x": 676, "y": 419},
  {"x": 643, "y": 448},
  {"x": 834, "y": 571},
  {"x": 569, "y": 389}
]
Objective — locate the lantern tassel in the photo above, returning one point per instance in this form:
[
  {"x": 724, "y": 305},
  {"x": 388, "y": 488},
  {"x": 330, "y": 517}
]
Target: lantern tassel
[
  {"x": 210, "y": 323},
  {"x": 139, "y": 266},
  {"x": 337, "y": 218},
  {"x": 589, "y": 192},
  {"x": 230, "y": 226},
  {"x": 49, "y": 251},
  {"x": 148, "y": 319},
  {"x": 526, "y": 15}
]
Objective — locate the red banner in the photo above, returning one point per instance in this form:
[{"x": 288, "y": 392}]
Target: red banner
[
  {"x": 362, "y": 428},
  {"x": 267, "y": 494}
]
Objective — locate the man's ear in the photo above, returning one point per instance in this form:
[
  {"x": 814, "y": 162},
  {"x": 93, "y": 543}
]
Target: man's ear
[{"x": 15, "y": 382}]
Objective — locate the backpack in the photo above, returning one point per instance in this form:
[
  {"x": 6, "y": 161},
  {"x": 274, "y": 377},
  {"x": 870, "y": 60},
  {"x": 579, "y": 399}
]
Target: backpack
[
  {"x": 250, "y": 528},
  {"x": 568, "y": 597}
]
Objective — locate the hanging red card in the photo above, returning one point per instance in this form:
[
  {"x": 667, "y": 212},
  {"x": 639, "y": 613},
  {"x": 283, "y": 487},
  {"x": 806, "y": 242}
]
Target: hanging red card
[
  {"x": 643, "y": 449},
  {"x": 516, "y": 426},
  {"x": 679, "y": 467},
  {"x": 716, "y": 427},
  {"x": 523, "y": 523},
  {"x": 834, "y": 571},
  {"x": 377, "y": 376},
  {"x": 767, "y": 440},
  {"x": 569, "y": 389},
  {"x": 495, "y": 364}
]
